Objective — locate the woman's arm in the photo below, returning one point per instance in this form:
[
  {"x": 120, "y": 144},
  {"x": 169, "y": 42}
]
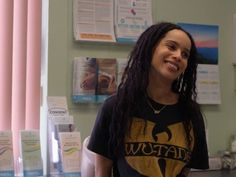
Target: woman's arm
[{"x": 103, "y": 166}]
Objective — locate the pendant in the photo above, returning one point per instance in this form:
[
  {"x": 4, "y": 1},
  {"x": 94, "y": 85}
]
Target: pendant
[{"x": 157, "y": 111}]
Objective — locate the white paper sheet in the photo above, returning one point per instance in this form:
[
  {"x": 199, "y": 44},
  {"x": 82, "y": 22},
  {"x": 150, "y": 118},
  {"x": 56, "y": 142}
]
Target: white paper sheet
[
  {"x": 132, "y": 18},
  {"x": 208, "y": 84},
  {"x": 94, "y": 20}
]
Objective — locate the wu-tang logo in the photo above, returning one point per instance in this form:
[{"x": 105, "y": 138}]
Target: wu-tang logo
[
  {"x": 160, "y": 129},
  {"x": 159, "y": 151}
]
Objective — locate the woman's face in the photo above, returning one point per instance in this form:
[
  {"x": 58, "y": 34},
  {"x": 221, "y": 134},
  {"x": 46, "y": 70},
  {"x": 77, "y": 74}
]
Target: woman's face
[{"x": 170, "y": 57}]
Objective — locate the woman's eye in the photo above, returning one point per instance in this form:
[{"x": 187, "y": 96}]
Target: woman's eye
[
  {"x": 185, "y": 55},
  {"x": 171, "y": 47}
]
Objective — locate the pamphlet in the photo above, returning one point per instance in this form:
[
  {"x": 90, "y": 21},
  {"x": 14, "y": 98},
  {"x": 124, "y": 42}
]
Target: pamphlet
[
  {"x": 58, "y": 120},
  {"x": 107, "y": 83},
  {"x": 6, "y": 154},
  {"x": 70, "y": 145},
  {"x": 84, "y": 79},
  {"x": 121, "y": 64},
  {"x": 31, "y": 153},
  {"x": 57, "y": 106}
]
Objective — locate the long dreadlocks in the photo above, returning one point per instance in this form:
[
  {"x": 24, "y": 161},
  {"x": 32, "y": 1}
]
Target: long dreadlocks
[{"x": 133, "y": 86}]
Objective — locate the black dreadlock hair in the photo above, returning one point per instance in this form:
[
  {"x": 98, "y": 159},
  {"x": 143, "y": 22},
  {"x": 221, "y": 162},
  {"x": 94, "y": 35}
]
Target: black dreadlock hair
[{"x": 133, "y": 86}]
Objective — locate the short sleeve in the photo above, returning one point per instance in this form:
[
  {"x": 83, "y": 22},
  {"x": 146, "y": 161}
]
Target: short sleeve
[
  {"x": 199, "y": 157},
  {"x": 98, "y": 142}
]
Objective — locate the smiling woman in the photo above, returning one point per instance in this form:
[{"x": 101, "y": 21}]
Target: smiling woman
[{"x": 153, "y": 126}]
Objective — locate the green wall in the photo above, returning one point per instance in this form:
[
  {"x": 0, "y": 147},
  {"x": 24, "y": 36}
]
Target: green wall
[{"x": 221, "y": 119}]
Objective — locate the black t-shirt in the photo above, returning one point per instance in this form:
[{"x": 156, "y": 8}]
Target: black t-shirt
[{"x": 156, "y": 146}]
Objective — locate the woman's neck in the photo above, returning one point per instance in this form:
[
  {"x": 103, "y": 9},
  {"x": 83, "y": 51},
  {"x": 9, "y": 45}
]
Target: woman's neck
[{"x": 162, "y": 93}]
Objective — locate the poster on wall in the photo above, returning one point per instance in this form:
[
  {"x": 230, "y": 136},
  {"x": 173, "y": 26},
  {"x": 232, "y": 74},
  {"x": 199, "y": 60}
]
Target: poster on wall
[
  {"x": 206, "y": 40},
  {"x": 132, "y": 17},
  {"x": 93, "y": 20}
]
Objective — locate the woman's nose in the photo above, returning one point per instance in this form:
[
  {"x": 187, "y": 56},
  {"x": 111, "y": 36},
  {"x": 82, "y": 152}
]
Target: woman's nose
[{"x": 178, "y": 54}]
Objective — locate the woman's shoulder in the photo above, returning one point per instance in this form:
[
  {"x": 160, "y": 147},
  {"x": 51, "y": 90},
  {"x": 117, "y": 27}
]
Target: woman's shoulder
[
  {"x": 111, "y": 100},
  {"x": 109, "y": 103}
]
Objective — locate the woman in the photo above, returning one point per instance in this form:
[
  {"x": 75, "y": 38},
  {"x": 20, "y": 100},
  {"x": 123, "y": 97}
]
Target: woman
[{"x": 153, "y": 126}]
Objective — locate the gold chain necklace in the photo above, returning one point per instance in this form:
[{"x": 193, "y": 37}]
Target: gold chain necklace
[{"x": 156, "y": 111}]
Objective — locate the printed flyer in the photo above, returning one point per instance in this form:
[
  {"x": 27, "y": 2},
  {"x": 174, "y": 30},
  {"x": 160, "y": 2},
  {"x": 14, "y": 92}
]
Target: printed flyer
[
  {"x": 70, "y": 144},
  {"x": 107, "y": 82},
  {"x": 132, "y": 17},
  {"x": 93, "y": 20},
  {"x": 57, "y": 106},
  {"x": 121, "y": 64},
  {"x": 31, "y": 153},
  {"x": 84, "y": 79},
  {"x": 6, "y": 154}
]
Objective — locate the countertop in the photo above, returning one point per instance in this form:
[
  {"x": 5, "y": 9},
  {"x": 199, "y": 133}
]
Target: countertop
[
  {"x": 207, "y": 173},
  {"x": 215, "y": 173}
]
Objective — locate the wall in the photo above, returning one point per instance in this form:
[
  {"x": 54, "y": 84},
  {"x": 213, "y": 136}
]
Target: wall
[{"x": 221, "y": 119}]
